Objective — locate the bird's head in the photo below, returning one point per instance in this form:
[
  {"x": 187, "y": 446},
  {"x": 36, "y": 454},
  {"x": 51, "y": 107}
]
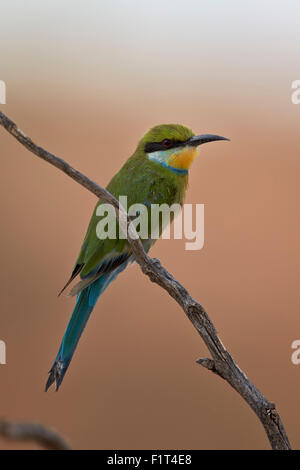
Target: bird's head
[{"x": 173, "y": 145}]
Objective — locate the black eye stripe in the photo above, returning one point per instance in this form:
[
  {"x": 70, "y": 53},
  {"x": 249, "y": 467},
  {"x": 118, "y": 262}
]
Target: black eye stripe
[{"x": 155, "y": 146}]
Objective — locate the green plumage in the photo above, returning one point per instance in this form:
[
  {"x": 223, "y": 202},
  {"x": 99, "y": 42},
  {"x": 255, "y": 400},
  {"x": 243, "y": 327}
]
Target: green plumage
[{"x": 142, "y": 181}]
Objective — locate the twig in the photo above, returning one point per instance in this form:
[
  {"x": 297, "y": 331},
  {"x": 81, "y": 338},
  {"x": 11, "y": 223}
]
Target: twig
[
  {"x": 222, "y": 362},
  {"x": 45, "y": 437}
]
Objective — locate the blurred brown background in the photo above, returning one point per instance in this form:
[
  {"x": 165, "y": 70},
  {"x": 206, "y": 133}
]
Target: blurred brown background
[{"x": 85, "y": 80}]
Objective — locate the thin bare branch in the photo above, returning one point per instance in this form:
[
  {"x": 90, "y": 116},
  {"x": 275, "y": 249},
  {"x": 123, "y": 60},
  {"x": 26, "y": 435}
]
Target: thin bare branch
[
  {"x": 27, "y": 431},
  {"x": 222, "y": 362}
]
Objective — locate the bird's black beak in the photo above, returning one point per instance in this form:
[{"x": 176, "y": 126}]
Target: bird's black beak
[{"x": 203, "y": 139}]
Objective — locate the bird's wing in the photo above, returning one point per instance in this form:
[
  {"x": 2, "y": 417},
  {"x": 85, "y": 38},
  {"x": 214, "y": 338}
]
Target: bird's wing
[
  {"x": 97, "y": 256},
  {"x": 75, "y": 272},
  {"x": 109, "y": 264},
  {"x": 141, "y": 185}
]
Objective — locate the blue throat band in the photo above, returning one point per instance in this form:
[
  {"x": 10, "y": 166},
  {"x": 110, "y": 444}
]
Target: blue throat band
[{"x": 179, "y": 171}]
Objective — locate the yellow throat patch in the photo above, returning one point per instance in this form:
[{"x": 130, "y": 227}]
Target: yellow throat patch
[{"x": 183, "y": 158}]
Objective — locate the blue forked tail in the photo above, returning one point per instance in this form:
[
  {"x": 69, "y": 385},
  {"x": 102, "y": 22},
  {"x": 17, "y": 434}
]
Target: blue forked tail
[{"x": 85, "y": 303}]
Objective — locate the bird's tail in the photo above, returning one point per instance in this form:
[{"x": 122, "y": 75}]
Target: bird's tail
[{"x": 85, "y": 303}]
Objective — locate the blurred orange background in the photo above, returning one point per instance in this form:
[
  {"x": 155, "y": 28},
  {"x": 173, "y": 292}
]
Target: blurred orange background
[{"x": 85, "y": 80}]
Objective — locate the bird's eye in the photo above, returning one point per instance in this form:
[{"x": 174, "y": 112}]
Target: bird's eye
[{"x": 167, "y": 143}]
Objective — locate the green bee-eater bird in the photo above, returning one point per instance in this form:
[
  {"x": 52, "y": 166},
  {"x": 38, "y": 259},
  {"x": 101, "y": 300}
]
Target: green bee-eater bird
[{"x": 157, "y": 173}]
